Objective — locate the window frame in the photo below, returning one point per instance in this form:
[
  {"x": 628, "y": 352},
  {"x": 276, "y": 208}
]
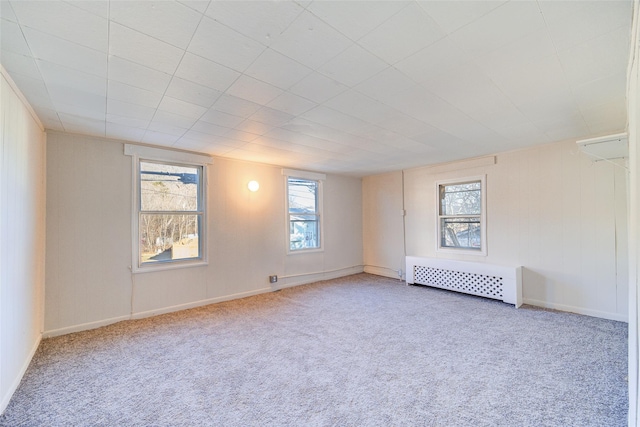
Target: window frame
[
  {"x": 175, "y": 158},
  {"x": 307, "y": 176},
  {"x": 482, "y": 216}
]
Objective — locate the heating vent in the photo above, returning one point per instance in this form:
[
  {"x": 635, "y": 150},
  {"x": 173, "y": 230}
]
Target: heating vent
[
  {"x": 486, "y": 280},
  {"x": 469, "y": 283}
]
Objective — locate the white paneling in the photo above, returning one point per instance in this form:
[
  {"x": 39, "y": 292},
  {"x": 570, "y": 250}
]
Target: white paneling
[
  {"x": 318, "y": 88},
  {"x": 22, "y": 237},
  {"x": 549, "y": 209},
  {"x": 383, "y": 233},
  {"x": 89, "y": 282},
  {"x": 204, "y": 72}
]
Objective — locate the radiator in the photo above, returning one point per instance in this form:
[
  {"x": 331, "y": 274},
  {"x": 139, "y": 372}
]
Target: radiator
[{"x": 485, "y": 280}]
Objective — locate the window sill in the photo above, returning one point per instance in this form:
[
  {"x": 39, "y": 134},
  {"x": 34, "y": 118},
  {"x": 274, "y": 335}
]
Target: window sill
[
  {"x": 305, "y": 251},
  {"x": 151, "y": 268}
]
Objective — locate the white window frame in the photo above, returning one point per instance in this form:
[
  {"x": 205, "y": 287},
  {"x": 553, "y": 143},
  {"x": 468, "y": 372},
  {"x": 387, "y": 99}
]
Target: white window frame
[
  {"x": 311, "y": 176},
  {"x": 483, "y": 216},
  {"x": 140, "y": 153}
]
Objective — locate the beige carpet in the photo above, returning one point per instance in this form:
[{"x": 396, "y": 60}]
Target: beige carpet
[{"x": 358, "y": 351}]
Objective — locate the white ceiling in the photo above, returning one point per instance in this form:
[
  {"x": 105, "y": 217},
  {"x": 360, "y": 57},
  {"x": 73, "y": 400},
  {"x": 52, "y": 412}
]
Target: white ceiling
[{"x": 351, "y": 87}]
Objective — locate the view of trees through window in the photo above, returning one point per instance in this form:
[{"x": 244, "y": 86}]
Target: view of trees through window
[
  {"x": 170, "y": 212},
  {"x": 460, "y": 210},
  {"x": 304, "y": 224}
]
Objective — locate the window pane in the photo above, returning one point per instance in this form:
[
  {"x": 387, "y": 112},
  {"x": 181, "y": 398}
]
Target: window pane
[
  {"x": 168, "y": 187},
  {"x": 304, "y": 232},
  {"x": 303, "y": 196},
  {"x": 166, "y": 237},
  {"x": 462, "y": 232},
  {"x": 461, "y": 199}
]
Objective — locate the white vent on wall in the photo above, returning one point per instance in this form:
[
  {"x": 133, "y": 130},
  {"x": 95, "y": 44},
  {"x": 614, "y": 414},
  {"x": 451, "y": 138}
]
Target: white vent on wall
[
  {"x": 485, "y": 280},
  {"x": 608, "y": 147}
]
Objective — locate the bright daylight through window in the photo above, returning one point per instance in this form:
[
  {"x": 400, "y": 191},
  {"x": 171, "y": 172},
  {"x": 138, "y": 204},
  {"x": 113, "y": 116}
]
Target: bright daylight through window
[
  {"x": 303, "y": 196},
  {"x": 171, "y": 212},
  {"x": 461, "y": 215}
]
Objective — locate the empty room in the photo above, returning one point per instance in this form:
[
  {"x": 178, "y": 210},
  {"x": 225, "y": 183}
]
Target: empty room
[{"x": 319, "y": 213}]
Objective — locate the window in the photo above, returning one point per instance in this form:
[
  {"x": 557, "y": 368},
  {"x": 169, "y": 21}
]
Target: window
[
  {"x": 169, "y": 216},
  {"x": 461, "y": 216},
  {"x": 304, "y": 210}
]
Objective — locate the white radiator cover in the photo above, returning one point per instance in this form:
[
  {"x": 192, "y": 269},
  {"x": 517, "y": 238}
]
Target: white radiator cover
[{"x": 485, "y": 280}]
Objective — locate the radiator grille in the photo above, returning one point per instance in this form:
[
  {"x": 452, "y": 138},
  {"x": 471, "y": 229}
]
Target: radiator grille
[{"x": 469, "y": 283}]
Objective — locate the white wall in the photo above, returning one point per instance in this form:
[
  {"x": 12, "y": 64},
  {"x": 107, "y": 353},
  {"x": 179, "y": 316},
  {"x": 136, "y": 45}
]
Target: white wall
[
  {"x": 383, "y": 224},
  {"x": 22, "y": 221},
  {"x": 549, "y": 209},
  {"x": 89, "y": 237},
  {"x": 633, "y": 100}
]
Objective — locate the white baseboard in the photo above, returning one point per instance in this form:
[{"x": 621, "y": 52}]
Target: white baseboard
[
  {"x": 287, "y": 283},
  {"x": 84, "y": 326},
  {"x": 16, "y": 382},
  {"x": 305, "y": 279},
  {"x": 577, "y": 310},
  {"x": 179, "y": 307},
  {"x": 381, "y": 271}
]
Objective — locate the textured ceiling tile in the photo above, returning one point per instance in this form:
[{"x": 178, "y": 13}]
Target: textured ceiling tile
[
  {"x": 603, "y": 118},
  {"x": 6, "y": 12},
  {"x": 402, "y": 35},
  {"x": 127, "y": 72},
  {"x": 587, "y": 21},
  {"x": 292, "y": 104},
  {"x": 251, "y": 126},
  {"x": 12, "y": 38},
  {"x": 435, "y": 59},
  {"x": 356, "y": 18},
  {"x": 310, "y": 41},
  {"x": 54, "y": 74},
  {"x": 128, "y": 121},
  {"x": 76, "y": 101},
  {"x": 259, "y": 20},
  {"x": 221, "y": 119},
  {"x": 254, "y": 90},
  {"x": 20, "y": 64},
  {"x": 353, "y": 66},
  {"x": 159, "y": 138},
  {"x": 318, "y": 88},
  {"x": 207, "y": 73},
  {"x": 34, "y": 89},
  {"x": 512, "y": 20},
  {"x": 199, "y": 5},
  {"x": 276, "y": 69},
  {"x": 223, "y": 45},
  {"x": 126, "y": 109},
  {"x": 65, "y": 21},
  {"x": 127, "y": 133},
  {"x": 602, "y": 91},
  {"x": 596, "y": 59},
  {"x": 270, "y": 116},
  {"x": 234, "y": 105},
  {"x": 385, "y": 84},
  {"x": 192, "y": 92},
  {"x": 68, "y": 54},
  {"x": 451, "y": 15},
  {"x": 143, "y": 49},
  {"x": 133, "y": 95},
  {"x": 183, "y": 108},
  {"x": 170, "y": 22},
  {"x": 97, "y": 7},
  {"x": 209, "y": 128}
]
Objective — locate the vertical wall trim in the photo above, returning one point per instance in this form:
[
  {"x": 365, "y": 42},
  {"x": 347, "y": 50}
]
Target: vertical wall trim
[{"x": 633, "y": 111}]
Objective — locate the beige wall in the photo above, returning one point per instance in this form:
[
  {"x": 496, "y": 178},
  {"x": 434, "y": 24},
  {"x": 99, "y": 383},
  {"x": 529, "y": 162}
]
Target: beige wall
[
  {"x": 549, "y": 209},
  {"x": 383, "y": 220},
  {"x": 89, "y": 237},
  {"x": 22, "y": 221}
]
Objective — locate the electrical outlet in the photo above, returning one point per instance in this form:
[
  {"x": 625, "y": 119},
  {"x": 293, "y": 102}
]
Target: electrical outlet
[
  {"x": 273, "y": 279},
  {"x": 400, "y": 273}
]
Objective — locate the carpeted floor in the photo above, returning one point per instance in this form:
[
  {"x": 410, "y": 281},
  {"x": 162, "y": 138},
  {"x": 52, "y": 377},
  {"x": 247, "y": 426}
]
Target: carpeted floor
[{"x": 357, "y": 351}]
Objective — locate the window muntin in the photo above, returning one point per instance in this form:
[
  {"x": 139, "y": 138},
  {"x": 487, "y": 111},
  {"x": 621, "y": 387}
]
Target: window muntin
[
  {"x": 303, "y": 205},
  {"x": 171, "y": 212},
  {"x": 461, "y": 225}
]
